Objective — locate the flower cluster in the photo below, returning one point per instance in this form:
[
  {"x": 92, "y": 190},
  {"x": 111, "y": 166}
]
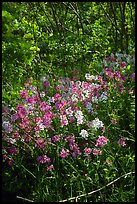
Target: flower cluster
[{"x": 63, "y": 117}]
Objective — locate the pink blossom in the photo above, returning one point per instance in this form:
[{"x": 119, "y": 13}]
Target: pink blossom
[
  {"x": 57, "y": 96},
  {"x": 4, "y": 157},
  {"x": 37, "y": 120},
  {"x": 56, "y": 138},
  {"x": 46, "y": 83},
  {"x": 76, "y": 152},
  {"x": 40, "y": 143},
  {"x": 101, "y": 141},
  {"x": 15, "y": 134},
  {"x": 49, "y": 168},
  {"x": 64, "y": 121},
  {"x": 133, "y": 76},
  {"x": 43, "y": 159},
  {"x": 87, "y": 150},
  {"x": 97, "y": 151},
  {"x": 120, "y": 87},
  {"x": 12, "y": 150},
  {"x": 122, "y": 141},
  {"x": 14, "y": 116},
  {"x": 43, "y": 106},
  {"x": 10, "y": 162},
  {"x": 122, "y": 65},
  {"x": 117, "y": 75},
  {"x": 27, "y": 138},
  {"x": 64, "y": 153},
  {"x": 23, "y": 112},
  {"x": 31, "y": 100},
  {"x": 122, "y": 78},
  {"x": 24, "y": 94}
]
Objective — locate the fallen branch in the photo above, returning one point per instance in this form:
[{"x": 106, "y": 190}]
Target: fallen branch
[
  {"x": 24, "y": 199},
  {"x": 87, "y": 194}
]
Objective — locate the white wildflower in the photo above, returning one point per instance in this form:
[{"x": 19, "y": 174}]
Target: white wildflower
[
  {"x": 84, "y": 134},
  {"x": 96, "y": 124}
]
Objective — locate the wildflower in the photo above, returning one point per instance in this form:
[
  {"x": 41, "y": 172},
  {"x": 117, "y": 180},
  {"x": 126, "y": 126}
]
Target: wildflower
[
  {"x": 84, "y": 134},
  {"x": 43, "y": 159},
  {"x": 10, "y": 162},
  {"x": 64, "y": 153},
  {"x": 14, "y": 116},
  {"x": 64, "y": 120},
  {"x": 42, "y": 94},
  {"x": 108, "y": 163},
  {"x": 56, "y": 138},
  {"x": 69, "y": 112},
  {"x": 57, "y": 96},
  {"x": 122, "y": 65},
  {"x": 49, "y": 168},
  {"x": 89, "y": 107},
  {"x": 4, "y": 157},
  {"x": 96, "y": 124},
  {"x": 24, "y": 94},
  {"x": 94, "y": 99},
  {"x": 31, "y": 100},
  {"x": 103, "y": 97},
  {"x": 133, "y": 76},
  {"x": 120, "y": 87},
  {"x": 87, "y": 150},
  {"x": 122, "y": 142},
  {"x": 79, "y": 116},
  {"x": 7, "y": 126},
  {"x": 40, "y": 143},
  {"x": 101, "y": 141},
  {"x": 23, "y": 112},
  {"x": 12, "y": 150},
  {"x": 46, "y": 83},
  {"x": 27, "y": 138},
  {"x": 97, "y": 151}
]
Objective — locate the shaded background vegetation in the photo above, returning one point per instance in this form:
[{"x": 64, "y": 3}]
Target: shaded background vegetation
[{"x": 56, "y": 37}]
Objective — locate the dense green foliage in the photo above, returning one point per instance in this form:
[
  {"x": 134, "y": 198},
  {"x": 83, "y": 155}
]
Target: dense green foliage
[
  {"x": 69, "y": 39},
  {"x": 42, "y": 37}
]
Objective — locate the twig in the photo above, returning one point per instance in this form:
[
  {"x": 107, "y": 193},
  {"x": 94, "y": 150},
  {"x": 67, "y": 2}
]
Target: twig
[
  {"x": 24, "y": 199},
  {"x": 97, "y": 189}
]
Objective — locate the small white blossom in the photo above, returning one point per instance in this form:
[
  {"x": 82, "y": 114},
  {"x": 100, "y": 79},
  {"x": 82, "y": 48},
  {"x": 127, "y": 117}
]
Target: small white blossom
[
  {"x": 42, "y": 94},
  {"x": 84, "y": 134},
  {"x": 89, "y": 107},
  {"x": 80, "y": 117},
  {"x": 94, "y": 99},
  {"x": 96, "y": 124},
  {"x": 103, "y": 97},
  {"x": 69, "y": 112},
  {"x": 74, "y": 98}
]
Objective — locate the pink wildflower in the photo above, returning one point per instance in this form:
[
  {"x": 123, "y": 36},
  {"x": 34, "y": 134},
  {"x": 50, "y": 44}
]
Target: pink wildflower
[
  {"x": 101, "y": 141},
  {"x": 122, "y": 141},
  {"x": 14, "y": 116},
  {"x": 43, "y": 159},
  {"x": 57, "y": 96},
  {"x": 24, "y": 94},
  {"x": 49, "y": 168},
  {"x": 97, "y": 151},
  {"x": 64, "y": 153},
  {"x": 56, "y": 138},
  {"x": 133, "y": 76},
  {"x": 87, "y": 150},
  {"x": 4, "y": 157},
  {"x": 12, "y": 150},
  {"x": 23, "y": 112},
  {"x": 31, "y": 100}
]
